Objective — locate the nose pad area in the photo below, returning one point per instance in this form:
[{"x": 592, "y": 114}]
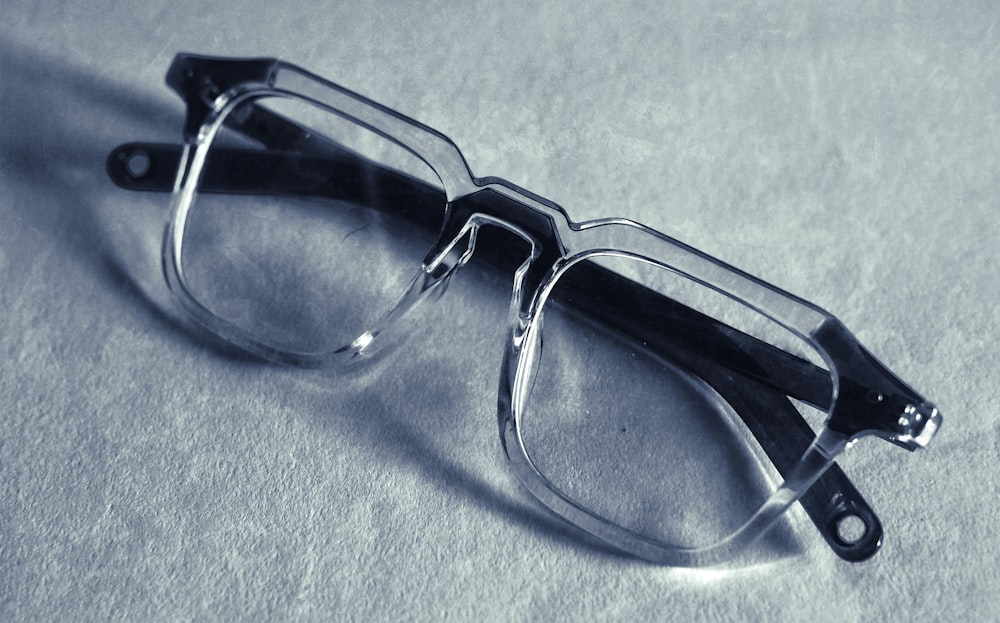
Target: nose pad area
[
  {"x": 495, "y": 248},
  {"x": 487, "y": 242},
  {"x": 430, "y": 282},
  {"x": 440, "y": 264}
]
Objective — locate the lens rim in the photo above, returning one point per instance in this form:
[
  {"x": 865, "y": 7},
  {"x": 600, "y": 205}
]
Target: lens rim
[
  {"x": 193, "y": 163},
  {"x": 633, "y": 241}
]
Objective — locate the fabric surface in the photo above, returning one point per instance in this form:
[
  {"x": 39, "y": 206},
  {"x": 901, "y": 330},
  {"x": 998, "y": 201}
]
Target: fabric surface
[{"x": 843, "y": 151}]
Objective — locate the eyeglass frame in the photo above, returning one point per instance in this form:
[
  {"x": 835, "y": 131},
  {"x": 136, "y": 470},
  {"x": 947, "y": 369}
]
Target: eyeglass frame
[{"x": 866, "y": 398}]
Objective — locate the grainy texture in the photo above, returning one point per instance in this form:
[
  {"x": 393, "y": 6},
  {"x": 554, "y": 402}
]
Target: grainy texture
[{"x": 845, "y": 151}]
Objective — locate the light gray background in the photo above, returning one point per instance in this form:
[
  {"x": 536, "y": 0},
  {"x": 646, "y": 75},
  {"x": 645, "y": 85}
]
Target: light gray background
[{"x": 845, "y": 151}]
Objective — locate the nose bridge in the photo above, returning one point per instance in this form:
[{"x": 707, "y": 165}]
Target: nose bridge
[
  {"x": 497, "y": 201},
  {"x": 497, "y": 206},
  {"x": 505, "y": 228}
]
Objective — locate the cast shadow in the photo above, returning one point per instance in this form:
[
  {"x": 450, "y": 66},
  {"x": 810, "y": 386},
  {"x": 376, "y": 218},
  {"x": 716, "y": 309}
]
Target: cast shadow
[{"x": 60, "y": 123}]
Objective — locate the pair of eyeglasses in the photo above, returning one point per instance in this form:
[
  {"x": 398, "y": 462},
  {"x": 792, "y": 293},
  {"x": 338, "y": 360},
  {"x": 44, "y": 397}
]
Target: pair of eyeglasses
[{"x": 661, "y": 400}]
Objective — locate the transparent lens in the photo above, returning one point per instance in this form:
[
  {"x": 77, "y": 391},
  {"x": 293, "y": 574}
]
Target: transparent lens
[
  {"x": 306, "y": 227},
  {"x": 618, "y": 417}
]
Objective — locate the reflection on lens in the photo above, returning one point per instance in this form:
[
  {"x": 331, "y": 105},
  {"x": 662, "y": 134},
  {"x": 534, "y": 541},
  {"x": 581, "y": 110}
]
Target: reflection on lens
[
  {"x": 617, "y": 418},
  {"x": 306, "y": 227}
]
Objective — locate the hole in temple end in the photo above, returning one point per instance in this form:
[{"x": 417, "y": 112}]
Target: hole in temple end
[
  {"x": 854, "y": 532},
  {"x": 144, "y": 166},
  {"x": 850, "y": 529},
  {"x": 137, "y": 163}
]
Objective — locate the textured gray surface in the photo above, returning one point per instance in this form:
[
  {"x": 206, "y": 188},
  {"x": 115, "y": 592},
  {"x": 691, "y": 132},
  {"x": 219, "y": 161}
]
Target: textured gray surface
[{"x": 843, "y": 151}]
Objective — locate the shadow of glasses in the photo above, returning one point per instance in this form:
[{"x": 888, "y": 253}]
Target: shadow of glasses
[{"x": 58, "y": 123}]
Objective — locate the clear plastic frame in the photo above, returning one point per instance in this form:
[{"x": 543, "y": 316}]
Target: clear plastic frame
[{"x": 308, "y": 221}]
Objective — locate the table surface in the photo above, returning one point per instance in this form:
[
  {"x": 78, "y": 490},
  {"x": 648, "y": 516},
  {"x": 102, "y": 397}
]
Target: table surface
[{"x": 844, "y": 151}]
